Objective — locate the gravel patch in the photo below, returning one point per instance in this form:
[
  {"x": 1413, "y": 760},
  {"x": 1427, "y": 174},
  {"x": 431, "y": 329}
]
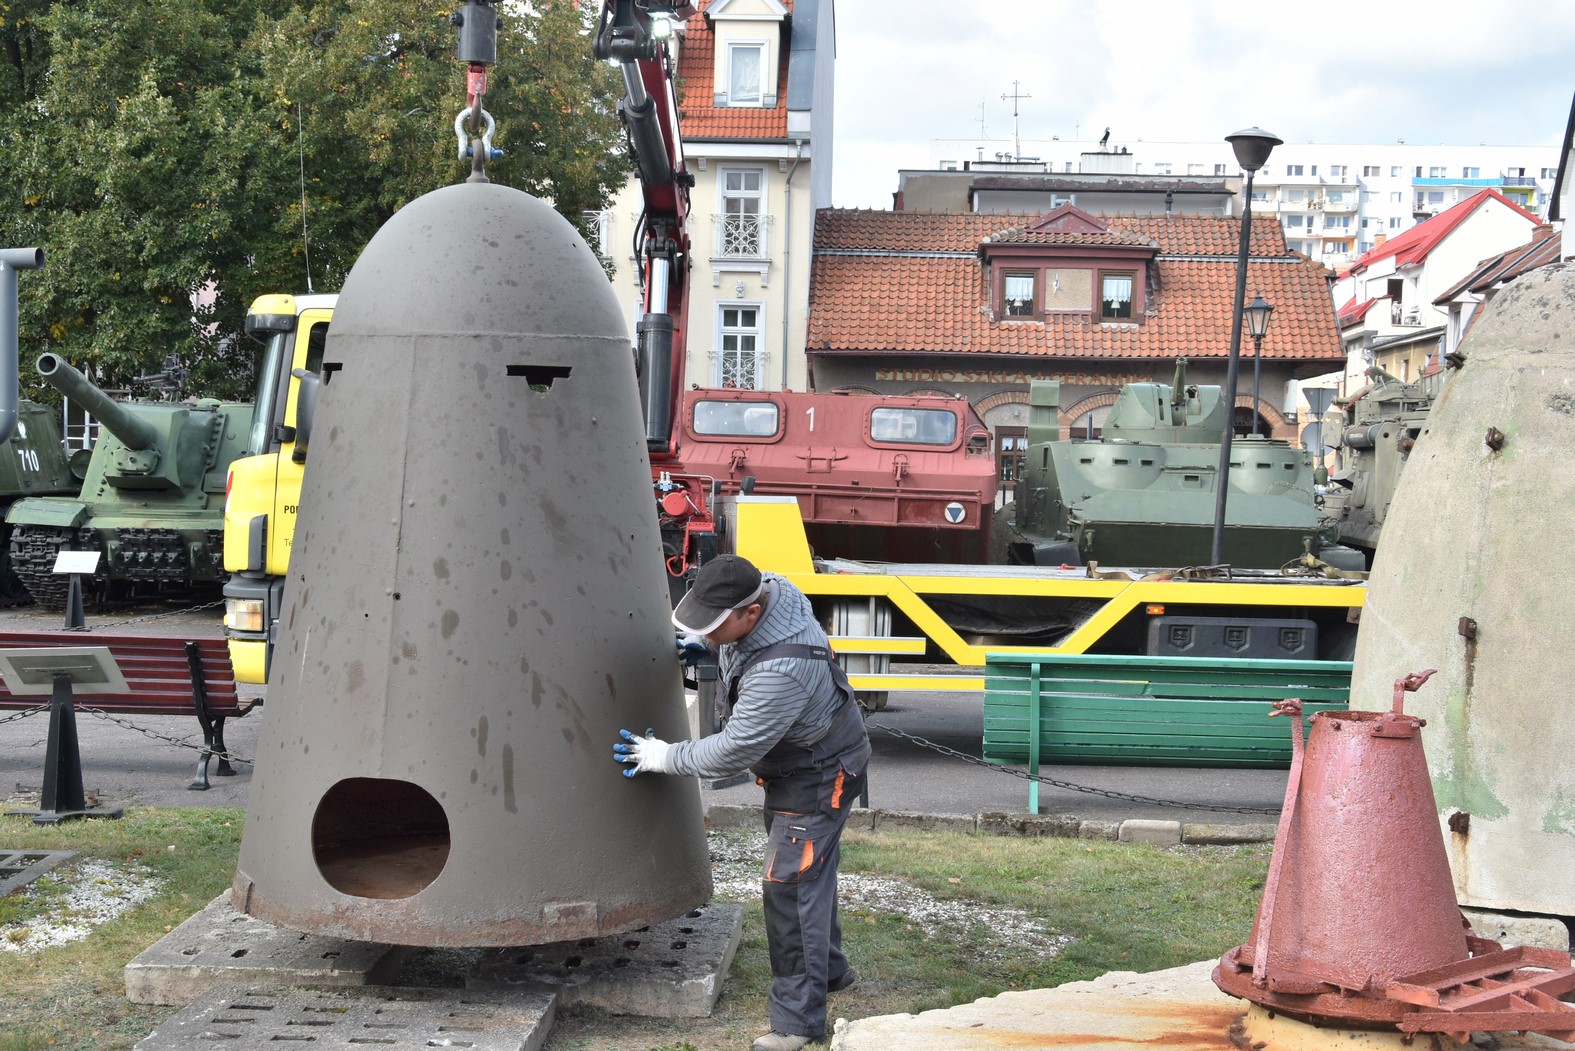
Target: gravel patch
[
  {"x": 74, "y": 900},
  {"x": 735, "y": 875}
]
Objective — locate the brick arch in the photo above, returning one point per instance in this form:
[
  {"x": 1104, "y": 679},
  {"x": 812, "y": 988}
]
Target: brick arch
[
  {"x": 1102, "y": 400},
  {"x": 1276, "y": 419},
  {"x": 999, "y": 398},
  {"x": 920, "y": 391}
]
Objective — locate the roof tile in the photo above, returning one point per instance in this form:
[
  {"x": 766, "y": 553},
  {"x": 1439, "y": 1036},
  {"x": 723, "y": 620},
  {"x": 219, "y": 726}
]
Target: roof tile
[
  {"x": 699, "y": 116},
  {"x": 906, "y": 282}
]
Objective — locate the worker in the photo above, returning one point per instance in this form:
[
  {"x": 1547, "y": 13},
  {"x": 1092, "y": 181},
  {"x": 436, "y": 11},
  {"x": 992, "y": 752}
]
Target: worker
[{"x": 792, "y": 720}]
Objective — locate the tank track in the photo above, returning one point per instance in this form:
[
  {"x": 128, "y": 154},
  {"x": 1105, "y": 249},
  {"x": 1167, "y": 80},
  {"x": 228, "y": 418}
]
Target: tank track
[{"x": 33, "y": 550}]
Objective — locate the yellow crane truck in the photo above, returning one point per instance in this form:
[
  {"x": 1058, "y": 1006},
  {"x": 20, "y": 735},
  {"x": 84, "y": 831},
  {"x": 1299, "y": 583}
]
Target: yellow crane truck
[{"x": 264, "y": 486}]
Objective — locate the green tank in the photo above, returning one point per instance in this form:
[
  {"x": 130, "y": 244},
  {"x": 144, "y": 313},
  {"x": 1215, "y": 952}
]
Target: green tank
[
  {"x": 1142, "y": 494},
  {"x": 33, "y": 463},
  {"x": 151, "y": 501},
  {"x": 1381, "y": 424}
]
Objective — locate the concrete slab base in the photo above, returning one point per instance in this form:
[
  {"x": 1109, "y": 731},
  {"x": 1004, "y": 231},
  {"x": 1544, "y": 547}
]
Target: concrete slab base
[
  {"x": 407, "y": 1019},
  {"x": 1510, "y": 928},
  {"x": 673, "y": 969},
  {"x": 221, "y": 946},
  {"x": 1179, "y": 1009}
]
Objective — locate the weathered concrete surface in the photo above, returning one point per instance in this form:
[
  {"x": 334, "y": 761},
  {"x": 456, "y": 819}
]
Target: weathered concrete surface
[
  {"x": 1178, "y": 1009},
  {"x": 1542, "y": 932},
  {"x": 242, "y": 1019},
  {"x": 1159, "y": 833},
  {"x": 1219, "y": 835},
  {"x": 1479, "y": 534},
  {"x": 673, "y": 969},
  {"x": 1175, "y": 1008},
  {"x": 220, "y": 946},
  {"x": 893, "y": 819}
]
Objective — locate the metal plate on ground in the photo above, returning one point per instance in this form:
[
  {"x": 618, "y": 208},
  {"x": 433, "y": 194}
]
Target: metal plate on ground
[
  {"x": 240, "y": 1018},
  {"x": 221, "y": 946},
  {"x": 18, "y": 868},
  {"x": 672, "y": 969}
]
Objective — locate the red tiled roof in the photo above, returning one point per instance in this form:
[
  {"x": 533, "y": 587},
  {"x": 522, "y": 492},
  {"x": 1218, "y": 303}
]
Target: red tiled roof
[
  {"x": 698, "y": 115},
  {"x": 1413, "y": 245},
  {"x": 903, "y": 282},
  {"x": 845, "y": 228},
  {"x": 1355, "y": 311}
]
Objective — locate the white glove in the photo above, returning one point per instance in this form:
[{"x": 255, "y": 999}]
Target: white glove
[{"x": 648, "y": 754}]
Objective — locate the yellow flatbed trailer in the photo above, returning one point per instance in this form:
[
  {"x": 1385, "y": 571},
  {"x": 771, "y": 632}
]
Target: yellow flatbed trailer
[{"x": 874, "y": 605}]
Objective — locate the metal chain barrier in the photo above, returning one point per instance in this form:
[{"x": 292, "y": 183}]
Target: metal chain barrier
[
  {"x": 157, "y": 616},
  {"x": 24, "y": 713},
  {"x": 1053, "y": 783},
  {"x": 99, "y": 713}
]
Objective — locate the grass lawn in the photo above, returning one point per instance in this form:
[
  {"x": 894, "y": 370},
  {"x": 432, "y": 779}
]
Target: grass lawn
[{"x": 929, "y": 919}]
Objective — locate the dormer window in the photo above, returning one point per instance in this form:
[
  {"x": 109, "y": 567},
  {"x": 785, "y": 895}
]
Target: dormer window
[
  {"x": 1017, "y": 289},
  {"x": 1066, "y": 264},
  {"x": 1115, "y": 297},
  {"x": 745, "y": 63}
]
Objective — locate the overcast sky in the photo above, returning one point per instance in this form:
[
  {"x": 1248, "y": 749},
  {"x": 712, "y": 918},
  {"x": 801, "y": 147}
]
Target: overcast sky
[{"x": 1434, "y": 71}]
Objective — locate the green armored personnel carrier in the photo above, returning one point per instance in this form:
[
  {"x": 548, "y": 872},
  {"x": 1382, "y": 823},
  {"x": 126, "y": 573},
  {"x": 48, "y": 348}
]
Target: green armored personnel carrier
[
  {"x": 1382, "y": 423},
  {"x": 32, "y": 463},
  {"x": 151, "y": 501},
  {"x": 1143, "y": 493}
]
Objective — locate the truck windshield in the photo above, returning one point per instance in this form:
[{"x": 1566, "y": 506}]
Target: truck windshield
[
  {"x": 737, "y": 419},
  {"x": 275, "y": 362},
  {"x": 913, "y": 426}
]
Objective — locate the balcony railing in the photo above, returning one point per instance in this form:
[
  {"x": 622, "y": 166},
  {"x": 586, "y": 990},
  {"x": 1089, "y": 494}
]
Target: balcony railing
[{"x": 742, "y": 235}]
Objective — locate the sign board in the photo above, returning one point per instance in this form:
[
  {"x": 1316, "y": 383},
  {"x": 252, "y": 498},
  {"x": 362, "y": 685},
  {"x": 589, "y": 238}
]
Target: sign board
[
  {"x": 32, "y": 671},
  {"x": 76, "y": 562}
]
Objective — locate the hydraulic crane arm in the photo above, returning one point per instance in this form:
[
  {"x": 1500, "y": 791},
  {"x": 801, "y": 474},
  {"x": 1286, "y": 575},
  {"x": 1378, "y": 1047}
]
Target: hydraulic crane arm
[{"x": 636, "y": 34}]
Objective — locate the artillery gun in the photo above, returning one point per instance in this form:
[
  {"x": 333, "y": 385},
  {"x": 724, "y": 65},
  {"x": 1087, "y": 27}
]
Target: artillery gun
[
  {"x": 152, "y": 498},
  {"x": 1142, "y": 494},
  {"x": 1381, "y": 425}
]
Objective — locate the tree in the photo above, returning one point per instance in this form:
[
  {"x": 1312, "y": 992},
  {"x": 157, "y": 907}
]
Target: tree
[{"x": 176, "y": 160}]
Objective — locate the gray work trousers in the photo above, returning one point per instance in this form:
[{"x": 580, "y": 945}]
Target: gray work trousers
[{"x": 805, "y": 814}]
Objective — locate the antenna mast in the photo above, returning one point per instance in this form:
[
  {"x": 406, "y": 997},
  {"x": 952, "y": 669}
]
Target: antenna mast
[{"x": 1017, "y": 143}]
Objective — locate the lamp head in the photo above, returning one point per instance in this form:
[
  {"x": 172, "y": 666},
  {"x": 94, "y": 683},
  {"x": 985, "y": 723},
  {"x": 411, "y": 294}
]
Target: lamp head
[
  {"x": 1252, "y": 146},
  {"x": 1257, "y": 315}
]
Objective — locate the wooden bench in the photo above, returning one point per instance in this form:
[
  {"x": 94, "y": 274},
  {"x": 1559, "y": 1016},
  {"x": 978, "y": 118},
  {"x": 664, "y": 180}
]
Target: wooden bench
[
  {"x": 1148, "y": 711},
  {"x": 167, "y": 675}
]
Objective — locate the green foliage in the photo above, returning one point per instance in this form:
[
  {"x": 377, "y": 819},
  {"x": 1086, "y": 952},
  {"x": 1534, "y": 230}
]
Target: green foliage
[{"x": 177, "y": 159}]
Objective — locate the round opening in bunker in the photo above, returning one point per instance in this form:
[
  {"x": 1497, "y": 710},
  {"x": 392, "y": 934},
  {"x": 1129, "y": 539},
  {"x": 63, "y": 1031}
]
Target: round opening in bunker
[{"x": 375, "y": 837}]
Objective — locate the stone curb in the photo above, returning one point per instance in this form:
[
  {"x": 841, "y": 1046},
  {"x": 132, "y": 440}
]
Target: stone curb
[{"x": 995, "y": 823}]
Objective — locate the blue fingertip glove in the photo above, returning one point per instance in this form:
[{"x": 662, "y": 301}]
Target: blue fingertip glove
[
  {"x": 648, "y": 754},
  {"x": 691, "y": 650}
]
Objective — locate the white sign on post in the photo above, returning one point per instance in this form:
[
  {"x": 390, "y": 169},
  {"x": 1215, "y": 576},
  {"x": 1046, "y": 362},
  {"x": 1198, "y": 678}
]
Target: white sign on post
[{"x": 76, "y": 562}]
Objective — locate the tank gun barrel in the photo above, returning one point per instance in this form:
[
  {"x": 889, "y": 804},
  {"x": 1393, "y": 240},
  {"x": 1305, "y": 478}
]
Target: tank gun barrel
[{"x": 136, "y": 433}]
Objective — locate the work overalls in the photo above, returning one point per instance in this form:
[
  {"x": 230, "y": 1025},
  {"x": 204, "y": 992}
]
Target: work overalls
[{"x": 809, "y": 792}]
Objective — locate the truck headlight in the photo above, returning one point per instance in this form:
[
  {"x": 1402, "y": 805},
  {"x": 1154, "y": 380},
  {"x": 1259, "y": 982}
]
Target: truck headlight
[{"x": 243, "y": 614}]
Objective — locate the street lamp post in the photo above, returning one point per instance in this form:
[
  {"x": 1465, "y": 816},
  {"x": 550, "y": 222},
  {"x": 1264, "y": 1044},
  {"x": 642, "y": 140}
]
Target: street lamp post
[
  {"x": 1258, "y": 312},
  {"x": 1252, "y": 147}
]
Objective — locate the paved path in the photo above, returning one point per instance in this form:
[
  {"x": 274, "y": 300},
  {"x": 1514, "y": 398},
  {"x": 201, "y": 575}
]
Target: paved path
[{"x": 121, "y": 765}]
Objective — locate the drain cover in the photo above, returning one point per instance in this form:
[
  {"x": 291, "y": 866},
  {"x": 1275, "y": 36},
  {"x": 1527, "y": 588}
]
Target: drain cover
[{"x": 18, "y": 868}]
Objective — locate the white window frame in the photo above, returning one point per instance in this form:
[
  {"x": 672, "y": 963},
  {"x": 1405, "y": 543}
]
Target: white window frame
[
  {"x": 733, "y": 232},
  {"x": 734, "y": 48},
  {"x": 721, "y": 371}
]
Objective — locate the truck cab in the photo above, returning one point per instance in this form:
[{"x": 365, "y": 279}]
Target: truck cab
[{"x": 263, "y": 492}]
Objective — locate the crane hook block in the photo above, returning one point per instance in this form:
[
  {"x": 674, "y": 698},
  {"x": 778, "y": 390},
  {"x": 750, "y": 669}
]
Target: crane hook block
[{"x": 478, "y": 26}]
